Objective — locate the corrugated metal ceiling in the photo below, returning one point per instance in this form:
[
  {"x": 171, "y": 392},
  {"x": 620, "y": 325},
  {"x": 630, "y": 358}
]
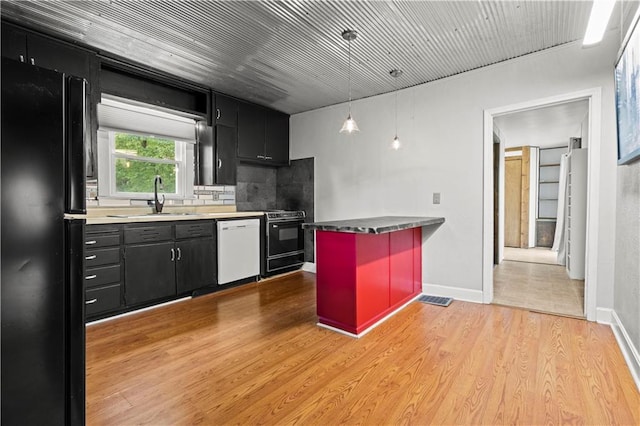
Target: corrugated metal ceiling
[{"x": 289, "y": 54}]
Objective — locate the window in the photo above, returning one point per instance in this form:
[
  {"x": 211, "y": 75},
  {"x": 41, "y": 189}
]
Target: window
[{"x": 130, "y": 158}]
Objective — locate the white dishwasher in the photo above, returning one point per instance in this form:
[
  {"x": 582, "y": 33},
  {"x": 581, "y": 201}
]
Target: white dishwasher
[{"x": 238, "y": 250}]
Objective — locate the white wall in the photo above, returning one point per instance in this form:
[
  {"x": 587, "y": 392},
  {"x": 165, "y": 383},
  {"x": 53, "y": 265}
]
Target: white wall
[{"x": 441, "y": 127}]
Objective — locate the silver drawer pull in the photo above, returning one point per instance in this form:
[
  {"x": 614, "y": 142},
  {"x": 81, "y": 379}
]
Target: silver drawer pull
[
  {"x": 90, "y": 302},
  {"x": 93, "y": 256},
  {"x": 89, "y": 243},
  {"x": 90, "y": 277}
]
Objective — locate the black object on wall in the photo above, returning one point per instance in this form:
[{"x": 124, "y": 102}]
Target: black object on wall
[{"x": 42, "y": 300}]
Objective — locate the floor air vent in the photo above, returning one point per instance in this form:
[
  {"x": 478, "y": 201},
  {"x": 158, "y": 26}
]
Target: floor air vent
[{"x": 435, "y": 300}]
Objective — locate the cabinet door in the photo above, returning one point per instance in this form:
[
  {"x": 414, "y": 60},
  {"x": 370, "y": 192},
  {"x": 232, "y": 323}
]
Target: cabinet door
[
  {"x": 206, "y": 156},
  {"x": 60, "y": 57},
  {"x": 195, "y": 264},
  {"x": 225, "y": 111},
  {"x": 277, "y": 137},
  {"x": 149, "y": 272},
  {"x": 226, "y": 159},
  {"x": 251, "y": 122},
  {"x": 14, "y": 43}
]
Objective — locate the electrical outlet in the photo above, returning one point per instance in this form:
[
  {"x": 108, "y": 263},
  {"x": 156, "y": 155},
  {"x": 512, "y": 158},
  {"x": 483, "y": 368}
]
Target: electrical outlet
[{"x": 436, "y": 198}]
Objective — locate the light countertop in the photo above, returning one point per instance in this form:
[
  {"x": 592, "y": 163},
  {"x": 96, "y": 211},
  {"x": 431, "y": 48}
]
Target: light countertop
[{"x": 97, "y": 216}]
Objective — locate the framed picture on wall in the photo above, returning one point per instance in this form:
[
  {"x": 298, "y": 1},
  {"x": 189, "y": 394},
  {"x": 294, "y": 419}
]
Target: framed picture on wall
[{"x": 627, "y": 81}]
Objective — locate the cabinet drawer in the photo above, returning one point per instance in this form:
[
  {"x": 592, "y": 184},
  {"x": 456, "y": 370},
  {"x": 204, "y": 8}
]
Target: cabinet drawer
[
  {"x": 95, "y": 258},
  {"x": 193, "y": 230},
  {"x": 102, "y": 299},
  {"x": 104, "y": 275},
  {"x": 147, "y": 234},
  {"x": 101, "y": 240}
]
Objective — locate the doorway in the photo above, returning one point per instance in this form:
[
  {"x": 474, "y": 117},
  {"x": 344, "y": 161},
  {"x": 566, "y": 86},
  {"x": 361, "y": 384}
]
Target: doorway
[{"x": 528, "y": 265}]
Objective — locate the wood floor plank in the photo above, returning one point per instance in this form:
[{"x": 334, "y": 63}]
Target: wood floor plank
[{"x": 256, "y": 356}]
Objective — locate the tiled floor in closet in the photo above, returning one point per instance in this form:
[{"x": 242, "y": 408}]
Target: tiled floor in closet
[{"x": 538, "y": 287}]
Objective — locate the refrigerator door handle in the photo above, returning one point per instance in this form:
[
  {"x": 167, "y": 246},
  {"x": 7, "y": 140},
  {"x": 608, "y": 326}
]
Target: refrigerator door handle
[{"x": 76, "y": 122}]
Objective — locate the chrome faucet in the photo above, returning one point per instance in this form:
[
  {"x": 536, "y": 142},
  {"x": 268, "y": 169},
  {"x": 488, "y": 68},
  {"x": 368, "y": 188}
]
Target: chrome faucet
[{"x": 157, "y": 204}]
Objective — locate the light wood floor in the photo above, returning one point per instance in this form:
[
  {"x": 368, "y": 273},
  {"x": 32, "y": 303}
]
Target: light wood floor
[
  {"x": 544, "y": 288},
  {"x": 532, "y": 255},
  {"x": 255, "y": 356}
]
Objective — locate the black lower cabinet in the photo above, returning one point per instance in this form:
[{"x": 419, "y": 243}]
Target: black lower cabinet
[
  {"x": 163, "y": 261},
  {"x": 195, "y": 256},
  {"x": 149, "y": 272},
  {"x": 195, "y": 266},
  {"x": 103, "y": 270}
]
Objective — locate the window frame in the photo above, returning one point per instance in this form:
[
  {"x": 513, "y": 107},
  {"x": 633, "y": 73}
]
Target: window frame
[{"x": 107, "y": 158}]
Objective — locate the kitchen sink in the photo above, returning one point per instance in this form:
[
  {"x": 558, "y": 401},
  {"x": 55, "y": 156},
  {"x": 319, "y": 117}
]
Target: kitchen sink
[{"x": 146, "y": 215}]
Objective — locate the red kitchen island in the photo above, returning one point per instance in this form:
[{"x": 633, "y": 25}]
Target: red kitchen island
[{"x": 367, "y": 269}]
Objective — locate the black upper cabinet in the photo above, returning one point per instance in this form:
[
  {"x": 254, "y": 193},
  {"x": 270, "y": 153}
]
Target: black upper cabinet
[
  {"x": 225, "y": 111},
  {"x": 47, "y": 53},
  {"x": 251, "y": 124},
  {"x": 217, "y": 161},
  {"x": 206, "y": 155},
  {"x": 277, "y": 137},
  {"x": 56, "y": 56},
  {"x": 226, "y": 159},
  {"x": 263, "y": 135},
  {"x": 14, "y": 43}
]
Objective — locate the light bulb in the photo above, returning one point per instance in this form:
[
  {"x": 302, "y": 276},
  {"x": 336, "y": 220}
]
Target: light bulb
[
  {"x": 349, "y": 125},
  {"x": 396, "y": 143}
]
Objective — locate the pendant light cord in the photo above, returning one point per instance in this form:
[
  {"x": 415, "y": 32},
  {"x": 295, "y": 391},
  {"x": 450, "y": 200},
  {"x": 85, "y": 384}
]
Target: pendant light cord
[
  {"x": 349, "y": 44},
  {"x": 395, "y": 88}
]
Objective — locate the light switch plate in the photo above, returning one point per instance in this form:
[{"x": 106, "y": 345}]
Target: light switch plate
[{"x": 436, "y": 198}]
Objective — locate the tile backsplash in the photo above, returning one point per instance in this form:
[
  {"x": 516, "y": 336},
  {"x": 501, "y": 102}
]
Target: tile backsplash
[{"x": 202, "y": 195}]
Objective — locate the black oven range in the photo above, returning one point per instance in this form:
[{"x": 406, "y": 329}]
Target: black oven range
[{"x": 284, "y": 241}]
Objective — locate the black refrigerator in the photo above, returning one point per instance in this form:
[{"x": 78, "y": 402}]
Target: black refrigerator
[{"x": 42, "y": 307}]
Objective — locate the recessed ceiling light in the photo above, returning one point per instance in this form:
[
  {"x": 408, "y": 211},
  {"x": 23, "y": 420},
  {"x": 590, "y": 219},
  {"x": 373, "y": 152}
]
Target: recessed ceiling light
[{"x": 598, "y": 20}]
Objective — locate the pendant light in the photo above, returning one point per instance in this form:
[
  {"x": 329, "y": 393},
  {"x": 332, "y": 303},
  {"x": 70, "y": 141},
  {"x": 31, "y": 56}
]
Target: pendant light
[
  {"x": 395, "y": 144},
  {"x": 349, "y": 125}
]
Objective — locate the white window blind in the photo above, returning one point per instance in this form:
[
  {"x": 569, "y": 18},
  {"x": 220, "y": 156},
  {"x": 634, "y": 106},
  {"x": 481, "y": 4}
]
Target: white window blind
[{"x": 114, "y": 115}]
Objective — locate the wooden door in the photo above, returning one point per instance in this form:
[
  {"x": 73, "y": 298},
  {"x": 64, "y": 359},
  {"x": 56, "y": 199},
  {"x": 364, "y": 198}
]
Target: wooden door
[{"x": 512, "y": 201}]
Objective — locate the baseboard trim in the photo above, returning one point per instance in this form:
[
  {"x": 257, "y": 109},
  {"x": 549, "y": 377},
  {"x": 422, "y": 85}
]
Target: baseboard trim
[
  {"x": 629, "y": 352},
  {"x": 604, "y": 315},
  {"x": 137, "y": 311},
  {"x": 309, "y": 267},
  {"x": 464, "y": 294}
]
